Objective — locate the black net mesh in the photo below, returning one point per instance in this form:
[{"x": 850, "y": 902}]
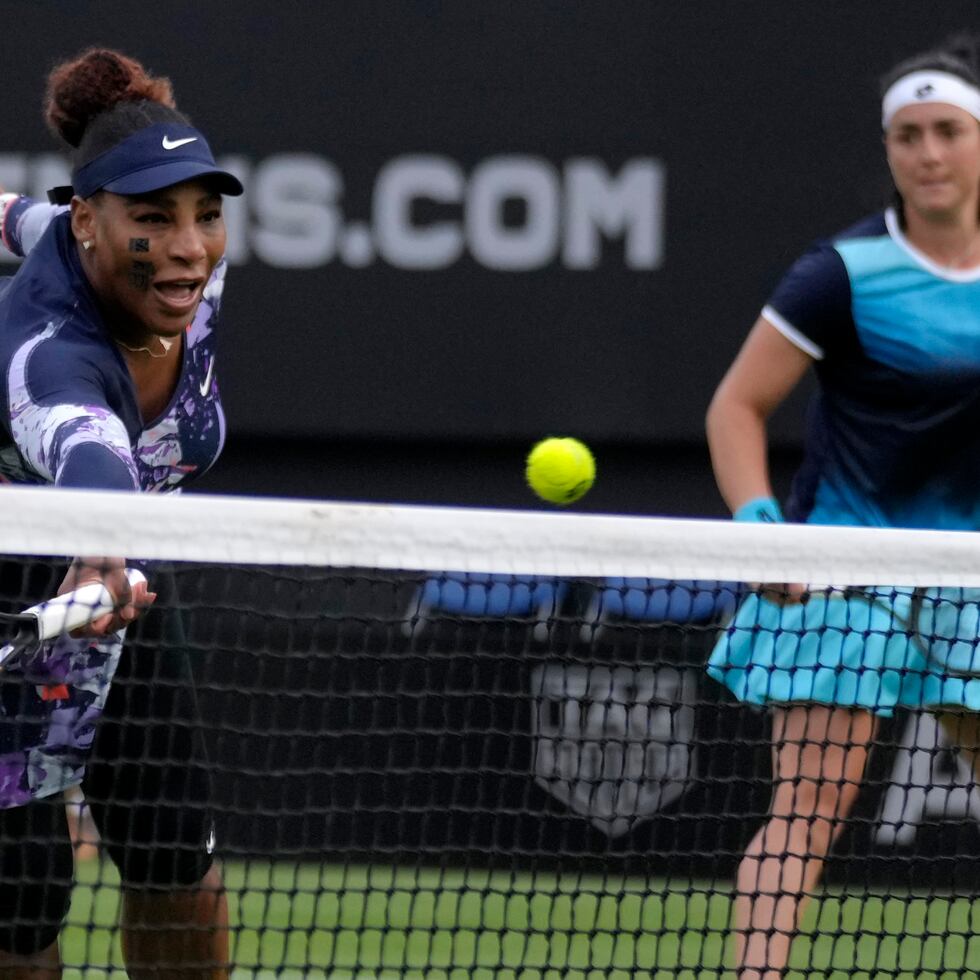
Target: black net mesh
[{"x": 449, "y": 775}]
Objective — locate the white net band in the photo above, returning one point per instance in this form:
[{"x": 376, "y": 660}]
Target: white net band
[{"x": 320, "y": 534}]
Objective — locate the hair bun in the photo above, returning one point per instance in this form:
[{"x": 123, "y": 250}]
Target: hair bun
[{"x": 94, "y": 82}]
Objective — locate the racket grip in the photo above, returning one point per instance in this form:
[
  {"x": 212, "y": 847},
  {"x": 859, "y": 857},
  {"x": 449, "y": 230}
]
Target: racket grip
[{"x": 75, "y": 609}]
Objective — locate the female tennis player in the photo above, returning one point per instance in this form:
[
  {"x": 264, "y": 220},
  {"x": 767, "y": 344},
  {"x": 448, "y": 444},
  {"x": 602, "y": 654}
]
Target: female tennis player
[
  {"x": 888, "y": 313},
  {"x": 106, "y": 349}
]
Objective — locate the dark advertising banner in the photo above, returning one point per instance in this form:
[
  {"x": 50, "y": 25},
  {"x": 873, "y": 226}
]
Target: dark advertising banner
[
  {"x": 488, "y": 720},
  {"x": 494, "y": 220}
]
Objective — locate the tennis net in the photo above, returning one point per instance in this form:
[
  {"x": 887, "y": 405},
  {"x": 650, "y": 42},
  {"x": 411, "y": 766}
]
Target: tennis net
[{"x": 445, "y": 743}]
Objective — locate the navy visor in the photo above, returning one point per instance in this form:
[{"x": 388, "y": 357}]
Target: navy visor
[{"x": 158, "y": 156}]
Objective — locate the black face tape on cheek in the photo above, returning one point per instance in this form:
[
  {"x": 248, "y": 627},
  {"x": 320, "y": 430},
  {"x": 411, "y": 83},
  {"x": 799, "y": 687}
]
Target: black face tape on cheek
[
  {"x": 140, "y": 274},
  {"x": 139, "y": 244}
]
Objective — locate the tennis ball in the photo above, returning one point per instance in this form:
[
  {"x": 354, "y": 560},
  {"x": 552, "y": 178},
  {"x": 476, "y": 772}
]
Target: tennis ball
[{"x": 560, "y": 470}]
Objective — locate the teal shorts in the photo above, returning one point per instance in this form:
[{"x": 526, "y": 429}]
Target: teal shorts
[{"x": 875, "y": 648}]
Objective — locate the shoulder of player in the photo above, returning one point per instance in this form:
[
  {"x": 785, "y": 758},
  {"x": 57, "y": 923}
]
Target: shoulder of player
[
  {"x": 823, "y": 259},
  {"x": 49, "y": 295},
  {"x": 871, "y": 226},
  {"x": 48, "y": 285}
]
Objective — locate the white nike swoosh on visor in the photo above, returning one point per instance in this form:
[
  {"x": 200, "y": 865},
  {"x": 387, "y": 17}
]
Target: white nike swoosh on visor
[
  {"x": 169, "y": 144},
  {"x": 205, "y": 386}
]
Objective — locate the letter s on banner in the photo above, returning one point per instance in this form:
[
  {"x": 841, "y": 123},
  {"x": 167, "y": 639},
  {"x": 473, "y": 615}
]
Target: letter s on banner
[{"x": 294, "y": 198}]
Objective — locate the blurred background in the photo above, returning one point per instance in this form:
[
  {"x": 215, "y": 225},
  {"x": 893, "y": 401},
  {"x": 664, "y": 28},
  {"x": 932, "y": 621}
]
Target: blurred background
[{"x": 471, "y": 225}]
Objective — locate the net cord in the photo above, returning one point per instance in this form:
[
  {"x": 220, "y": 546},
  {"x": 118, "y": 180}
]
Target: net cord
[{"x": 268, "y": 531}]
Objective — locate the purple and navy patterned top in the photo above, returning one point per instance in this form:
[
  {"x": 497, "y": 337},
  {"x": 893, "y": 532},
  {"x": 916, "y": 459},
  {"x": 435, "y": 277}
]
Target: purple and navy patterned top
[
  {"x": 70, "y": 414},
  {"x": 70, "y": 417}
]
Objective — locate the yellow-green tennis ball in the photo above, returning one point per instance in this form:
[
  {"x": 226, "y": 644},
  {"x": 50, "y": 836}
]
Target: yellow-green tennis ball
[{"x": 560, "y": 470}]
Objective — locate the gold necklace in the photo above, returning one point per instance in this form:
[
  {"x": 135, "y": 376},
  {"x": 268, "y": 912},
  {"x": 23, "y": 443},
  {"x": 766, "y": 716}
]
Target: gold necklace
[{"x": 165, "y": 344}]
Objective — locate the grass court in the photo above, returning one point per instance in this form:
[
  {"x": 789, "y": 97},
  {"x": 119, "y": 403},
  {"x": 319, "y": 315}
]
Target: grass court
[{"x": 314, "y": 922}]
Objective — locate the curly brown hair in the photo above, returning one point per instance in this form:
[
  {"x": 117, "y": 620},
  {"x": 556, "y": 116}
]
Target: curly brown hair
[{"x": 92, "y": 84}]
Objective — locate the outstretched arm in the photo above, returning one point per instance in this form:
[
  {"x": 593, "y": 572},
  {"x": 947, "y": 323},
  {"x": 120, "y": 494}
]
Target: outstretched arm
[{"x": 70, "y": 437}]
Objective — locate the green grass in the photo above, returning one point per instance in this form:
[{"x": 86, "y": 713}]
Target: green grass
[{"x": 374, "y": 923}]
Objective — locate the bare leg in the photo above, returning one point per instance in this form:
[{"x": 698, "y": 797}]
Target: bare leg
[
  {"x": 177, "y": 935},
  {"x": 819, "y": 756},
  {"x": 45, "y": 965},
  {"x": 81, "y": 826}
]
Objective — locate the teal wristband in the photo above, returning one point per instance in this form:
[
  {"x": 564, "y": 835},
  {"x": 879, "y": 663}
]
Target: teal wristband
[{"x": 764, "y": 510}]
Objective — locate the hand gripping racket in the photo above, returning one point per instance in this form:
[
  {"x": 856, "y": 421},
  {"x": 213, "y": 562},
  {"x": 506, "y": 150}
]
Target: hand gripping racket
[{"x": 53, "y": 617}]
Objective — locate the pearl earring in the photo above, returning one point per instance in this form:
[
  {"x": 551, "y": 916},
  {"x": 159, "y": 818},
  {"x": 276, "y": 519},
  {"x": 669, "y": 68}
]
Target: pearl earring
[{"x": 86, "y": 245}]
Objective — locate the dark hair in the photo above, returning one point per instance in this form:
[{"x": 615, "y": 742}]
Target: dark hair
[
  {"x": 96, "y": 100},
  {"x": 959, "y": 55}
]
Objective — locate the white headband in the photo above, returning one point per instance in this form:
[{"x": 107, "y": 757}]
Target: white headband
[{"x": 930, "y": 86}]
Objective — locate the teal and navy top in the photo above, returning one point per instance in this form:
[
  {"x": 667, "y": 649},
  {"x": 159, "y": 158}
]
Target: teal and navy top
[
  {"x": 893, "y": 440},
  {"x": 893, "y": 435}
]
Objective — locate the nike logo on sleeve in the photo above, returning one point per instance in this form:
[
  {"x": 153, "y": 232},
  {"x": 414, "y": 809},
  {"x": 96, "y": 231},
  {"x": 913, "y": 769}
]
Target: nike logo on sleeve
[{"x": 208, "y": 378}]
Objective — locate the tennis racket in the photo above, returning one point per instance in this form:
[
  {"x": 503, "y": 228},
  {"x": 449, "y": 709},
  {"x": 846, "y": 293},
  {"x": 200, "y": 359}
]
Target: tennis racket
[{"x": 54, "y": 617}]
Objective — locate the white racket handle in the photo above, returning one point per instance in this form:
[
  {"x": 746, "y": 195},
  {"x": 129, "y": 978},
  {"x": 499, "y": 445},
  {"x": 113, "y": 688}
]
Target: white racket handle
[{"x": 75, "y": 609}]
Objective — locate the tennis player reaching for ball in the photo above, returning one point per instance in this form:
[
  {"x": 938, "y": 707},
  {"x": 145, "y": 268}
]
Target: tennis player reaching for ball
[
  {"x": 106, "y": 350},
  {"x": 888, "y": 313}
]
